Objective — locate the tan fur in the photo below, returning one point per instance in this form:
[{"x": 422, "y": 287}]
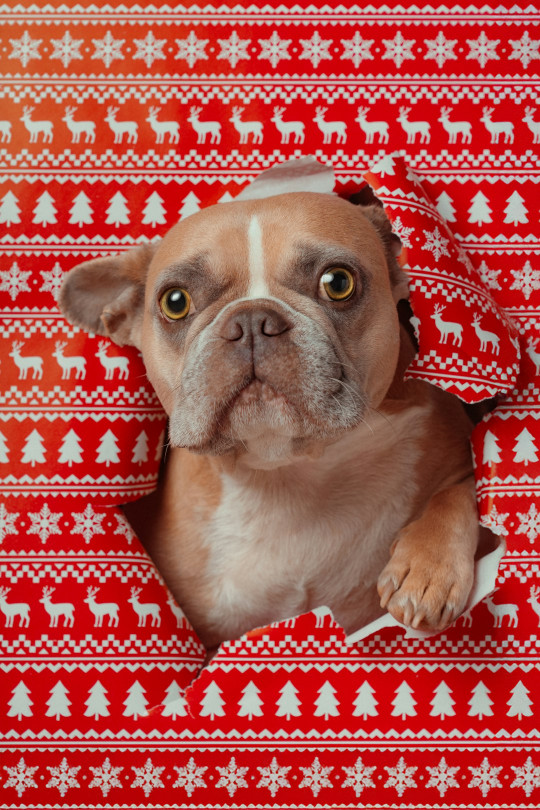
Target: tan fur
[{"x": 303, "y": 469}]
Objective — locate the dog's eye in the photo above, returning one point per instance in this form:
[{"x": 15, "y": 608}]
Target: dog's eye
[
  {"x": 175, "y": 303},
  {"x": 337, "y": 284}
]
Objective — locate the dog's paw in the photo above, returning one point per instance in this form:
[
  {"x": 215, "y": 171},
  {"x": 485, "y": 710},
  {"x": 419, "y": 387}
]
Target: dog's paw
[{"x": 425, "y": 588}]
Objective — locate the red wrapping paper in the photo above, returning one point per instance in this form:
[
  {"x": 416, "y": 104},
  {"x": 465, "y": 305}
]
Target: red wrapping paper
[{"x": 100, "y": 701}]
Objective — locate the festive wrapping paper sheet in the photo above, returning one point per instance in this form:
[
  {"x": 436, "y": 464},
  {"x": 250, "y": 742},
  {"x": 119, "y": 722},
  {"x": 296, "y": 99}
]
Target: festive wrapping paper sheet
[{"x": 115, "y": 121}]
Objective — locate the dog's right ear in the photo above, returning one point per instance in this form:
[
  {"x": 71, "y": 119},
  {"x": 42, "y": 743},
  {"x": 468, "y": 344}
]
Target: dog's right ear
[{"x": 106, "y": 296}]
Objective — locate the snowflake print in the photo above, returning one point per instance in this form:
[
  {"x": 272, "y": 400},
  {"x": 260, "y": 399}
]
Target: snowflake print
[
  {"x": 88, "y": 523},
  {"x": 191, "y": 49},
  {"x": 485, "y": 777},
  {"x": 123, "y": 527},
  {"x": 232, "y": 777},
  {"x": 359, "y": 777},
  {"x": 149, "y": 49},
  {"x": 436, "y": 243},
  {"x": 495, "y": 521},
  {"x": 190, "y": 777},
  {"x": 275, "y": 49},
  {"x": 274, "y": 777},
  {"x": 316, "y": 777},
  {"x": 148, "y": 777},
  {"x": 525, "y": 49},
  {"x": 398, "y": 49},
  {"x": 315, "y": 49},
  {"x": 400, "y": 777},
  {"x": 403, "y": 232},
  {"x": 527, "y": 777},
  {"x": 21, "y": 777},
  {"x": 66, "y": 49},
  {"x": 25, "y": 48},
  {"x": 357, "y": 49},
  {"x": 108, "y": 49},
  {"x": 489, "y": 276},
  {"x": 44, "y": 523},
  {"x": 529, "y": 523},
  {"x": 52, "y": 280},
  {"x": 14, "y": 281},
  {"x": 526, "y": 280},
  {"x": 7, "y": 522},
  {"x": 483, "y": 49},
  {"x": 441, "y": 49},
  {"x": 442, "y": 777},
  {"x": 233, "y": 49},
  {"x": 106, "y": 777},
  {"x": 63, "y": 777}
]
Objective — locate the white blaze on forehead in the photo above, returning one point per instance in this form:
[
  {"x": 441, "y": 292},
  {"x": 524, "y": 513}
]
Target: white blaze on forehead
[{"x": 258, "y": 287}]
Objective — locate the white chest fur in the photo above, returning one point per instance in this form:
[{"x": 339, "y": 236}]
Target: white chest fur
[{"x": 315, "y": 532}]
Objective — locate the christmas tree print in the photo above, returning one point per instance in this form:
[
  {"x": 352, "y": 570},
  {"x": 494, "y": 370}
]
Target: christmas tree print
[
  {"x": 404, "y": 702},
  {"x": 491, "y": 454},
  {"x": 159, "y": 446},
  {"x": 9, "y": 210},
  {"x": 97, "y": 702},
  {"x": 326, "y": 704},
  {"x": 58, "y": 703},
  {"x": 3, "y": 449},
  {"x": 442, "y": 704},
  {"x": 45, "y": 211},
  {"x": 70, "y": 449},
  {"x": 117, "y": 212},
  {"x": 445, "y": 207},
  {"x": 108, "y": 450},
  {"x": 20, "y": 702},
  {"x": 520, "y": 703},
  {"x": 516, "y": 213},
  {"x": 364, "y": 702},
  {"x": 480, "y": 702},
  {"x": 154, "y": 212},
  {"x": 250, "y": 703},
  {"x": 190, "y": 205},
  {"x": 212, "y": 702},
  {"x": 174, "y": 703},
  {"x": 136, "y": 702},
  {"x": 479, "y": 212},
  {"x": 288, "y": 705},
  {"x": 34, "y": 449},
  {"x": 140, "y": 451},
  {"x": 80, "y": 211},
  {"x": 525, "y": 449}
]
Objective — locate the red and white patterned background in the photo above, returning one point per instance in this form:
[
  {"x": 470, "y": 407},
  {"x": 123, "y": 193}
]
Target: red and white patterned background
[{"x": 115, "y": 121}]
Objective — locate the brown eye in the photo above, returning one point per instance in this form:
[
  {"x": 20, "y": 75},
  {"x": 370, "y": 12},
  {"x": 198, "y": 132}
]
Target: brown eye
[
  {"x": 175, "y": 303},
  {"x": 337, "y": 284}
]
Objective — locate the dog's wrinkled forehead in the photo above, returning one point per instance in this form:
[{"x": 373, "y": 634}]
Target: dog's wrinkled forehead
[{"x": 248, "y": 246}]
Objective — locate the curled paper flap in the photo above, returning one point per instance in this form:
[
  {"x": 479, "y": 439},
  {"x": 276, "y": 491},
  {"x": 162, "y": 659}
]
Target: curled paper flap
[
  {"x": 485, "y": 575},
  {"x": 304, "y": 174}
]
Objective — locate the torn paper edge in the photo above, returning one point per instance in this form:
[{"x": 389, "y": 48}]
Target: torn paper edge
[
  {"x": 485, "y": 576},
  {"x": 301, "y": 174}
]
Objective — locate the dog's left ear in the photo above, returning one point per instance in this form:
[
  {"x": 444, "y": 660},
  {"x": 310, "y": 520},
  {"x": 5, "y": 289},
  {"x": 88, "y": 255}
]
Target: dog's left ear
[
  {"x": 106, "y": 296},
  {"x": 392, "y": 246}
]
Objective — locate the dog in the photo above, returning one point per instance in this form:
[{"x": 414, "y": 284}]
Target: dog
[{"x": 302, "y": 469}]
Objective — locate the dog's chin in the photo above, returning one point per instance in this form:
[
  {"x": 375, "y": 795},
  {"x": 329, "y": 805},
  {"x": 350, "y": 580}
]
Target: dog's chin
[
  {"x": 265, "y": 425},
  {"x": 265, "y": 429}
]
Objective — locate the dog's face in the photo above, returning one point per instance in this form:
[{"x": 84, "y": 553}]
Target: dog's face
[{"x": 266, "y": 326}]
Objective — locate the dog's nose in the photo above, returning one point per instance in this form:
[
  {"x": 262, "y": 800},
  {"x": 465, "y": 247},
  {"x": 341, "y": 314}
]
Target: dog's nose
[{"x": 251, "y": 323}]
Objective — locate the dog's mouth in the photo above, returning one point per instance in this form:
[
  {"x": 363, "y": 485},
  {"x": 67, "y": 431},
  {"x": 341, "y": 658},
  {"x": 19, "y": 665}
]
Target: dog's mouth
[
  {"x": 257, "y": 391},
  {"x": 257, "y": 403}
]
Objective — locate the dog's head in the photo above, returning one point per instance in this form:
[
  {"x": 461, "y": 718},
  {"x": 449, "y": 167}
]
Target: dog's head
[{"x": 267, "y": 326}]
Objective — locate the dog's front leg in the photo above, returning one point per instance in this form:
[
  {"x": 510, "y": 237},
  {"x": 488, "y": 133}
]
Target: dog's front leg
[{"x": 430, "y": 573}]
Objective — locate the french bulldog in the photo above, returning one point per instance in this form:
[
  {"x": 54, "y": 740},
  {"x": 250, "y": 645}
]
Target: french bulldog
[{"x": 302, "y": 469}]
